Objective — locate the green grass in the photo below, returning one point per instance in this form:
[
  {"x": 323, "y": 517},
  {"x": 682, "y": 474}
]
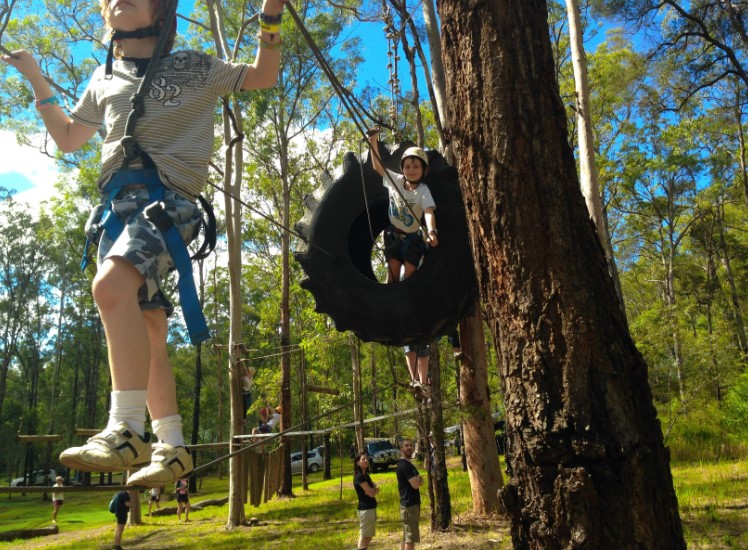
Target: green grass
[{"x": 712, "y": 497}]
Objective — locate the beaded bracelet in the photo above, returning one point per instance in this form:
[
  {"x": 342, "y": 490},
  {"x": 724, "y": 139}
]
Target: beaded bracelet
[
  {"x": 271, "y": 19},
  {"x": 269, "y": 45},
  {"x": 47, "y": 103}
]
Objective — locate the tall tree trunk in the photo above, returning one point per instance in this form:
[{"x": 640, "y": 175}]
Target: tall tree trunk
[
  {"x": 441, "y": 504},
  {"x": 304, "y": 420},
  {"x": 478, "y": 434},
  {"x": 232, "y": 180},
  {"x": 197, "y": 390},
  {"x": 410, "y": 56},
  {"x": 374, "y": 394},
  {"x": 358, "y": 411},
  {"x": 286, "y": 487},
  {"x": 737, "y": 313},
  {"x": 738, "y": 107},
  {"x": 438, "y": 83},
  {"x": 587, "y": 165},
  {"x": 589, "y": 465},
  {"x": 232, "y": 185}
]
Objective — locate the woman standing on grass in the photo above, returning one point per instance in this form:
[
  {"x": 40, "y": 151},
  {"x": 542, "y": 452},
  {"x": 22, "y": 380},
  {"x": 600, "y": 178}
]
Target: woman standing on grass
[
  {"x": 183, "y": 499},
  {"x": 58, "y": 497},
  {"x": 366, "y": 490}
]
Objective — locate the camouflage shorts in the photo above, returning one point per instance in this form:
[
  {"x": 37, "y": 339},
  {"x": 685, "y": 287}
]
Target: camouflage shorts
[{"x": 143, "y": 245}]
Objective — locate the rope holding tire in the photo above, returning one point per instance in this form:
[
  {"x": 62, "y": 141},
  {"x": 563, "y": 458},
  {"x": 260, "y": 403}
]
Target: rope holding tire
[{"x": 417, "y": 310}]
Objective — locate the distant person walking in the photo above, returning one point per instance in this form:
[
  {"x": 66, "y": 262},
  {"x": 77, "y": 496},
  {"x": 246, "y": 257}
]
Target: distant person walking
[
  {"x": 183, "y": 499},
  {"x": 120, "y": 507},
  {"x": 58, "y": 498},
  {"x": 409, "y": 482},
  {"x": 366, "y": 490},
  {"x": 155, "y": 498}
]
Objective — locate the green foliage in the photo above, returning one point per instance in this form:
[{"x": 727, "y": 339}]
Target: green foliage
[
  {"x": 699, "y": 430},
  {"x": 736, "y": 409}
]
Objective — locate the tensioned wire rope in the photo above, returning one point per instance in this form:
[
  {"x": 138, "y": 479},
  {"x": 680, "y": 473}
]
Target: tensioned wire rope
[
  {"x": 348, "y": 101},
  {"x": 271, "y": 437},
  {"x": 244, "y": 447},
  {"x": 351, "y": 104}
]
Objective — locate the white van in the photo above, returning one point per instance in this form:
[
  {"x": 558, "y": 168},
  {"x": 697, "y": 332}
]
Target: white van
[{"x": 40, "y": 477}]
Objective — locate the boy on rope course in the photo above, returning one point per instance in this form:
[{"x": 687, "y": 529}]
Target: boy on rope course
[
  {"x": 269, "y": 419},
  {"x": 409, "y": 202},
  {"x": 150, "y": 181}
]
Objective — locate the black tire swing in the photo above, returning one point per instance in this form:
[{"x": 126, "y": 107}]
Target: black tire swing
[
  {"x": 337, "y": 256},
  {"x": 342, "y": 221}
]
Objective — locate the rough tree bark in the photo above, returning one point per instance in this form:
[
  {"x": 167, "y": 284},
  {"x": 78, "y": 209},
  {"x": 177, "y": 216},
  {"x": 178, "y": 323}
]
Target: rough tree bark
[
  {"x": 590, "y": 469},
  {"x": 441, "y": 503},
  {"x": 475, "y": 403},
  {"x": 358, "y": 409}
]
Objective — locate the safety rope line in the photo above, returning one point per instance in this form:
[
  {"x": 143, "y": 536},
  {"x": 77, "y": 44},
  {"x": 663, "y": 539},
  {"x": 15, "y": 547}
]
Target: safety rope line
[
  {"x": 421, "y": 407},
  {"x": 296, "y": 427},
  {"x": 347, "y": 100},
  {"x": 363, "y": 191},
  {"x": 69, "y": 489},
  {"x": 393, "y": 58}
]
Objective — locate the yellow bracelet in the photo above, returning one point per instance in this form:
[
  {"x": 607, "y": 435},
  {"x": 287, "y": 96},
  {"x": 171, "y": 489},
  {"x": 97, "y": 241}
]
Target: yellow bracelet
[
  {"x": 268, "y": 28},
  {"x": 269, "y": 45}
]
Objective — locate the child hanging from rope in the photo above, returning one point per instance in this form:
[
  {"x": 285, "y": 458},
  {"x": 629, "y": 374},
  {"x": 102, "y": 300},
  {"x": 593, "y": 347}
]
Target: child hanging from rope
[
  {"x": 175, "y": 137},
  {"x": 409, "y": 201}
]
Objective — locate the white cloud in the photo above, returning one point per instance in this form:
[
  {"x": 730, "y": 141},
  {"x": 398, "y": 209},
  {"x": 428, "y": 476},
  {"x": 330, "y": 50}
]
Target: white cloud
[{"x": 23, "y": 167}]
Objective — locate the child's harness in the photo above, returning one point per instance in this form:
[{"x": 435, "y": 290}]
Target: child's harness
[{"x": 104, "y": 220}]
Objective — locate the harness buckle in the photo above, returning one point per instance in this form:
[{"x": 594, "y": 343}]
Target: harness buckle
[{"x": 156, "y": 214}]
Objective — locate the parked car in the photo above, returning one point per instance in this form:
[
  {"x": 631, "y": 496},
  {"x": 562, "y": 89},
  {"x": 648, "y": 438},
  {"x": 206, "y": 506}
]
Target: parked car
[
  {"x": 315, "y": 462},
  {"x": 40, "y": 477},
  {"x": 382, "y": 453}
]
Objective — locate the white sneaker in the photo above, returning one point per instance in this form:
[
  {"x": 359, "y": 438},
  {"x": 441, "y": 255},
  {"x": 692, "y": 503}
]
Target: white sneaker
[
  {"x": 109, "y": 451},
  {"x": 168, "y": 464}
]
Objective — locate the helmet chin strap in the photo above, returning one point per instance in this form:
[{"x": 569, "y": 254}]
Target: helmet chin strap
[{"x": 123, "y": 35}]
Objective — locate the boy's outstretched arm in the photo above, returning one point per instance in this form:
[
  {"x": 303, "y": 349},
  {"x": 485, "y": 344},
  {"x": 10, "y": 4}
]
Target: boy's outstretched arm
[
  {"x": 373, "y": 136},
  {"x": 263, "y": 73},
  {"x": 68, "y": 134}
]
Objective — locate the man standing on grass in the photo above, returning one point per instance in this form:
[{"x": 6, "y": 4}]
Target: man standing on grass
[{"x": 409, "y": 482}]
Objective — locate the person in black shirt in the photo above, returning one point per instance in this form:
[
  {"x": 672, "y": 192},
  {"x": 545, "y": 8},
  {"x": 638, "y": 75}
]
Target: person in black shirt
[
  {"x": 409, "y": 482},
  {"x": 366, "y": 490}
]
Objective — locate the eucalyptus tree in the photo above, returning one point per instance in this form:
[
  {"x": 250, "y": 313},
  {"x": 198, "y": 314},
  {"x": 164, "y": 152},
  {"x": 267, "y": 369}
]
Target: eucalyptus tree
[
  {"x": 284, "y": 163},
  {"x": 22, "y": 279},
  {"x": 65, "y": 38},
  {"x": 589, "y": 464},
  {"x": 709, "y": 38}
]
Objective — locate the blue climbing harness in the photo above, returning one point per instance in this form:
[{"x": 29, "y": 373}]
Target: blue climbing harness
[{"x": 110, "y": 224}]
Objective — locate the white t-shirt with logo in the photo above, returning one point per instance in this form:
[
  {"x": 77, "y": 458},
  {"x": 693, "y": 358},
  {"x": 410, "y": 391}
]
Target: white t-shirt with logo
[
  {"x": 178, "y": 125},
  {"x": 418, "y": 199}
]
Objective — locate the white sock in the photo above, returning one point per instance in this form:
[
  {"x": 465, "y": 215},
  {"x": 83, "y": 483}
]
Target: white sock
[
  {"x": 169, "y": 430},
  {"x": 128, "y": 406}
]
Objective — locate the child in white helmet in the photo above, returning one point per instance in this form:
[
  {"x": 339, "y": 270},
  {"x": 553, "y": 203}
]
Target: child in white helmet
[
  {"x": 176, "y": 131},
  {"x": 410, "y": 201}
]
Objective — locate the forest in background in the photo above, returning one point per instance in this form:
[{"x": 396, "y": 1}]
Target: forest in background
[{"x": 668, "y": 108}]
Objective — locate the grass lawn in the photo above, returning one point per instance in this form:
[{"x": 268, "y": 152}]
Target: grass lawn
[{"x": 713, "y": 501}]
